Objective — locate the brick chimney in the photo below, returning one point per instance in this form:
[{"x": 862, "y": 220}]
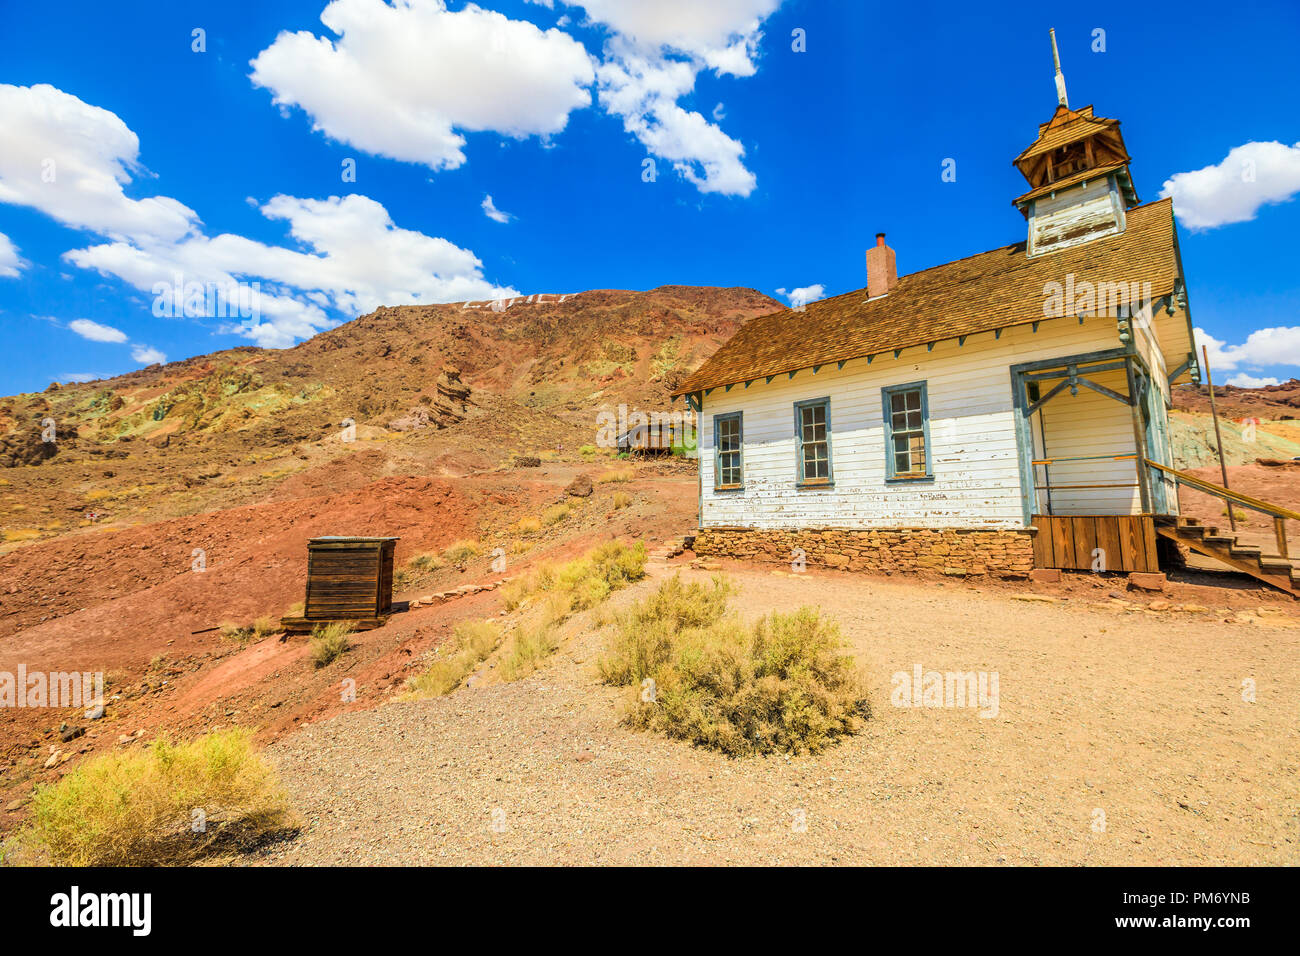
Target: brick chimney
[{"x": 882, "y": 271}]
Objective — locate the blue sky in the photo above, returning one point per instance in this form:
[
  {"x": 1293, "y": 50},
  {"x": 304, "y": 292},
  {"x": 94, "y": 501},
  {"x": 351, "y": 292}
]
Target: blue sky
[{"x": 130, "y": 158}]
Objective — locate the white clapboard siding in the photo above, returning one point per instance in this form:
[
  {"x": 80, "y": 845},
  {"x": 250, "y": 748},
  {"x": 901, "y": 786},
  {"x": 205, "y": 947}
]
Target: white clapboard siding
[
  {"x": 972, "y": 436},
  {"x": 1078, "y": 214}
]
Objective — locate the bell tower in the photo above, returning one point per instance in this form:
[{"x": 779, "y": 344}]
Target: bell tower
[{"x": 1077, "y": 170}]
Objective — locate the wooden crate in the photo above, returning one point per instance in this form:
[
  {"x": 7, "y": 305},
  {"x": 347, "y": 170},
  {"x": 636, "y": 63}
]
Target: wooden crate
[
  {"x": 1068, "y": 542},
  {"x": 349, "y": 579}
]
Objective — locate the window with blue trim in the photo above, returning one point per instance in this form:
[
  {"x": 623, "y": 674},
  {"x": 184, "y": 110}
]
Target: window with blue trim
[
  {"x": 728, "y": 467},
  {"x": 812, "y": 431},
  {"x": 907, "y": 432}
]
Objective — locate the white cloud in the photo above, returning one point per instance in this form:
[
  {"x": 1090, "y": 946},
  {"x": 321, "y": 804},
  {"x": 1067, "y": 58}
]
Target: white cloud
[
  {"x": 406, "y": 80},
  {"x": 803, "y": 295},
  {"x": 723, "y": 34},
  {"x": 652, "y": 61},
  {"x": 1263, "y": 348},
  {"x": 352, "y": 257},
  {"x": 359, "y": 261},
  {"x": 492, "y": 212},
  {"x": 10, "y": 263},
  {"x": 1250, "y": 176},
  {"x": 70, "y": 160},
  {"x": 96, "y": 332},
  {"x": 1243, "y": 380},
  {"x": 147, "y": 355},
  {"x": 79, "y": 377}
]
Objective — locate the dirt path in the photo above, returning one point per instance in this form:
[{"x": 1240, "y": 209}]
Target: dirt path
[{"x": 1129, "y": 713}]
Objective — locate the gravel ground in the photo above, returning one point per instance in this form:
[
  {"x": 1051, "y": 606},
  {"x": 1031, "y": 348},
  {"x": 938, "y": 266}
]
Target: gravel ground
[{"x": 1122, "y": 737}]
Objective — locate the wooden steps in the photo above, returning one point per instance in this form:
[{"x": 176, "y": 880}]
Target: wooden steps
[{"x": 1274, "y": 570}]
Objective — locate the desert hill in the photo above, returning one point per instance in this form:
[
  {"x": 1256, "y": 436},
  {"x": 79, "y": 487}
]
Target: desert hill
[{"x": 445, "y": 389}]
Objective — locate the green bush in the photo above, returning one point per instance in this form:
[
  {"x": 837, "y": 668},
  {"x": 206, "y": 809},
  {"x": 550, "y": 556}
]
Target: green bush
[
  {"x": 458, "y": 552},
  {"x": 330, "y": 641},
  {"x": 528, "y": 649},
  {"x": 470, "y": 644},
  {"x": 137, "y": 807},
  {"x": 783, "y": 683}
]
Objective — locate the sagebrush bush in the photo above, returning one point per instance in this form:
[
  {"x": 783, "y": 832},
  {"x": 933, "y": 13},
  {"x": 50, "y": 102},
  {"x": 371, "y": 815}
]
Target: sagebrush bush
[
  {"x": 556, "y": 513},
  {"x": 615, "y": 474},
  {"x": 647, "y": 630},
  {"x": 528, "y": 649},
  {"x": 528, "y": 525},
  {"x": 137, "y": 807},
  {"x": 330, "y": 641},
  {"x": 259, "y": 629},
  {"x": 621, "y": 500},
  {"x": 458, "y": 552},
  {"x": 581, "y": 583},
  {"x": 783, "y": 683},
  {"x": 470, "y": 644}
]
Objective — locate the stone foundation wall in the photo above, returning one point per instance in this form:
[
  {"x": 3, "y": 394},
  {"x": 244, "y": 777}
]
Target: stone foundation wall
[{"x": 942, "y": 550}]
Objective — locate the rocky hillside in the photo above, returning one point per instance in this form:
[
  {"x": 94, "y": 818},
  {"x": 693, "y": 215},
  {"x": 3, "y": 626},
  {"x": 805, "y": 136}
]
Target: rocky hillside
[{"x": 442, "y": 389}]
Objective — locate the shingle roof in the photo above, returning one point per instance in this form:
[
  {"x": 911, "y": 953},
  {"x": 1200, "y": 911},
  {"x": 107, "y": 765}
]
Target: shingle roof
[
  {"x": 1067, "y": 126},
  {"x": 992, "y": 290},
  {"x": 1094, "y": 173}
]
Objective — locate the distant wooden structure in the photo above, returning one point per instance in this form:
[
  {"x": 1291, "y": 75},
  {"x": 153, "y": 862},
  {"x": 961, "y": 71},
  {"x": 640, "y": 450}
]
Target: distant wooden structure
[{"x": 348, "y": 579}]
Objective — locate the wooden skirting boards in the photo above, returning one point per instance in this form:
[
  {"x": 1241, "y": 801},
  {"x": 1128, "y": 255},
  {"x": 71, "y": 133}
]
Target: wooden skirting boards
[{"x": 1096, "y": 542}]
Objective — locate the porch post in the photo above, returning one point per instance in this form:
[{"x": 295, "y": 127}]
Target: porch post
[
  {"x": 1139, "y": 435},
  {"x": 1024, "y": 446}
]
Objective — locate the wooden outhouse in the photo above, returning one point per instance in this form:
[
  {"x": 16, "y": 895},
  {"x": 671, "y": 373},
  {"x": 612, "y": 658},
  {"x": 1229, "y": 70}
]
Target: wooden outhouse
[{"x": 348, "y": 579}]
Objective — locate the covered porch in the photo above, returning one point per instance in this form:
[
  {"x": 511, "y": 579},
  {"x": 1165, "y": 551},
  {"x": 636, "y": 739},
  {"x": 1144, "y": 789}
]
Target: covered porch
[{"x": 1087, "y": 426}]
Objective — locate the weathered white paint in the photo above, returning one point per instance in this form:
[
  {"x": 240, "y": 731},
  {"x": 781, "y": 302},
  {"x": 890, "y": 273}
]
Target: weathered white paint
[
  {"x": 1080, "y": 213},
  {"x": 973, "y": 446}
]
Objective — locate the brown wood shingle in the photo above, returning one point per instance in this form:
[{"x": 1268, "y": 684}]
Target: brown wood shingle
[{"x": 980, "y": 293}]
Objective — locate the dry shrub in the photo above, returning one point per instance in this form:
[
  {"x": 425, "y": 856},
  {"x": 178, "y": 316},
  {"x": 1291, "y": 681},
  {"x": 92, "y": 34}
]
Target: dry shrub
[
  {"x": 528, "y": 649},
  {"x": 136, "y": 807},
  {"x": 262, "y": 627},
  {"x": 471, "y": 643},
  {"x": 782, "y": 684},
  {"x": 417, "y": 569},
  {"x": 556, "y": 513},
  {"x": 458, "y": 552},
  {"x": 560, "y": 591},
  {"x": 615, "y": 474},
  {"x": 330, "y": 641},
  {"x": 621, "y": 500},
  {"x": 528, "y": 525}
]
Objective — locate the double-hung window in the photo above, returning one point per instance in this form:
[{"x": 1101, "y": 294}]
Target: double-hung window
[
  {"x": 728, "y": 471},
  {"x": 812, "y": 433},
  {"x": 907, "y": 432}
]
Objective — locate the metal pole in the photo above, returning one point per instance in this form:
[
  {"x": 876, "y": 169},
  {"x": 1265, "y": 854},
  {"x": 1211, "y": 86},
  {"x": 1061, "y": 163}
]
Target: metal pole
[{"x": 1218, "y": 436}]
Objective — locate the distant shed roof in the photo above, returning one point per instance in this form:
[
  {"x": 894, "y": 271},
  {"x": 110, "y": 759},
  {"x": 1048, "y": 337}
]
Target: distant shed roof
[{"x": 992, "y": 290}]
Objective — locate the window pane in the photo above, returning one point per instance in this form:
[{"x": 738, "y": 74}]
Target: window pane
[
  {"x": 896, "y": 403},
  {"x": 918, "y": 453},
  {"x": 914, "y": 399},
  {"x": 914, "y": 420},
  {"x": 901, "y": 466}
]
